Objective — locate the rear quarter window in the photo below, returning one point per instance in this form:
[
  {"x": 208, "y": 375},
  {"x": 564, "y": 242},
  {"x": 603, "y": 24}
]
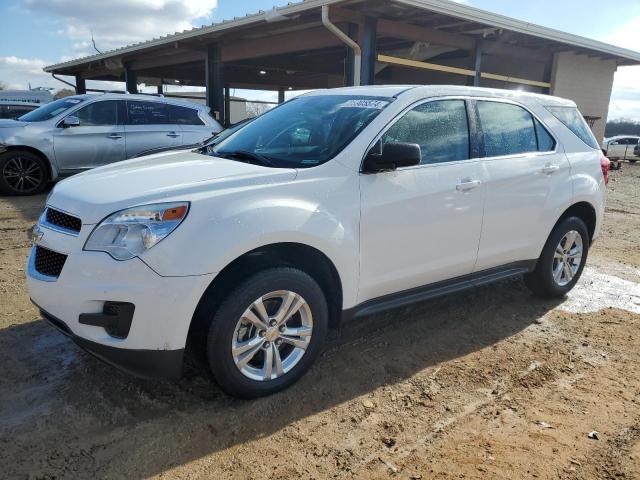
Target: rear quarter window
[{"x": 574, "y": 121}]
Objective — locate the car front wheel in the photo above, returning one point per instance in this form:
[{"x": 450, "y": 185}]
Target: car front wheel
[
  {"x": 267, "y": 333},
  {"x": 22, "y": 173}
]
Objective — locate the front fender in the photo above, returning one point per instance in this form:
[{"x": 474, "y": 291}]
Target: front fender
[{"x": 218, "y": 231}]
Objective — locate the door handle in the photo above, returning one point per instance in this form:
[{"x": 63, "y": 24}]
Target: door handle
[
  {"x": 114, "y": 136},
  {"x": 173, "y": 134},
  {"x": 549, "y": 168},
  {"x": 467, "y": 184}
]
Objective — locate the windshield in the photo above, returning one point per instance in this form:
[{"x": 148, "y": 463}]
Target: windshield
[
  {"x": 227, "y": 132},
  {"x": 303, "y": 132},
  {"x": 50, "y": 110}
]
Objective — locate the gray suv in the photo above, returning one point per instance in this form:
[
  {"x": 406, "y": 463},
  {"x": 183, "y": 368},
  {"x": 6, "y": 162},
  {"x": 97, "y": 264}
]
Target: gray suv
[{"x": 85, "y": 131}]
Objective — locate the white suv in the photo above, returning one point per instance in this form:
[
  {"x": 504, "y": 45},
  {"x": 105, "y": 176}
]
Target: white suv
[{"x": 336, "y": 204}]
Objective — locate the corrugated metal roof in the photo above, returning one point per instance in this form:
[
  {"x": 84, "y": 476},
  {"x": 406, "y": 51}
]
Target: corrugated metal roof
[{"x": 445, "y": 7}]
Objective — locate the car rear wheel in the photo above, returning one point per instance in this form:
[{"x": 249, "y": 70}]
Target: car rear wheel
[
  {"x": 267, "y": 333},
  {"x": 562, "y": 260},
  {"x": 22, "y": 173}
]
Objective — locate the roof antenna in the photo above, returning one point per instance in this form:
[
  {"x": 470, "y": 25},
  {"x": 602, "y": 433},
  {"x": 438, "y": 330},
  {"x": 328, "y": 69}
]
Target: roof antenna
[{"x": 94, "y": 43}]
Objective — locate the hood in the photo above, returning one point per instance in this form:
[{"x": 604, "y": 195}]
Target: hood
[
  {"x": 169, "y": 176},
  {"x": 8, "y": 123}
]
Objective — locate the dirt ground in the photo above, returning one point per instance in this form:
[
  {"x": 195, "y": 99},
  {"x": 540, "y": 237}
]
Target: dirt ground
[{"x": 490, "y": 384}]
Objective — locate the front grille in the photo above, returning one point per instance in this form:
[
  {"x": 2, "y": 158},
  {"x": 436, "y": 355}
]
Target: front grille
[
  {"x": 64, "y": 220},
  {"x": 48, "y": 262}
]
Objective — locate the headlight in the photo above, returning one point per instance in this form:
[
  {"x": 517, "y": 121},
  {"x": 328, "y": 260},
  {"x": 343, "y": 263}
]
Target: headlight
[{"x": 128, "y": 233}]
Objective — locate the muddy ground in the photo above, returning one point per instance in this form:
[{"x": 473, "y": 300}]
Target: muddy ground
[{"x": 493, "y": 383}]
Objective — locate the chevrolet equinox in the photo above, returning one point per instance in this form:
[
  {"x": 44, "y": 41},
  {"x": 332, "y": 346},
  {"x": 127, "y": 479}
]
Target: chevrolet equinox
[{"x": 336, "y": 204}]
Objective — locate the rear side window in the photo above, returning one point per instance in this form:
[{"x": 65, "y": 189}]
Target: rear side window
[
  {"x": 95, "y": 114},
  {"x": 572, "y": 119},
  {"x": 507, "y": 129},
  {"x": 440, "y": 128},
  {"x": 546, "y": 143},
  {"x": 183, "y": 115},
  {"x": 147, "y": 113}
]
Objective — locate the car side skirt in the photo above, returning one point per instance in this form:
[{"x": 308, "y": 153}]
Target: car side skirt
[{"x": 438, "y": 289}]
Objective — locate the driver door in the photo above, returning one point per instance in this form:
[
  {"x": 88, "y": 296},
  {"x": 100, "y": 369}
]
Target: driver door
[
  {"x": 421, "y": 224},
  {"x": 98, "y": 139}
]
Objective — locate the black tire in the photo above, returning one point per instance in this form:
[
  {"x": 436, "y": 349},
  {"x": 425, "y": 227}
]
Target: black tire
[
  {"x": 541, "y": 281},
  {"x": 633, "y": 161},
  {"x": 22, "y": 173},
  {"x": 222, "y": 331}
]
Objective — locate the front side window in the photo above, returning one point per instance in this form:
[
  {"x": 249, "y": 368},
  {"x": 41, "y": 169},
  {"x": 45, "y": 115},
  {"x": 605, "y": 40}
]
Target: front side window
[
  {"x": 440, "y": 128},
  {"x": 102, "y": 113},
  {"x": 507, "y": 129},
  {"x": 575, "y": 122},
  {"x": 147, "y": 113},
  {"x": 51, "y": 110},
  {"x": 303, "y": 132}
]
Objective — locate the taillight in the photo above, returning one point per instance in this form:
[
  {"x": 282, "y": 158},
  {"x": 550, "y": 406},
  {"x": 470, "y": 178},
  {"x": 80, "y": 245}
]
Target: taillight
[{"x": 605, "y": 164}]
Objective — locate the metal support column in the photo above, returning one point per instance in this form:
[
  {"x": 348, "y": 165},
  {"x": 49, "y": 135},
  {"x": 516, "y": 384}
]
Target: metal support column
[
  {"x": 81, "y": 86},
  {"x": 477, "y": 65},
  {"x": 367, "y": 41},
  {"x": 281, "y": 95},
  {"x": 349, "y": 62},
  {"x": 227, "y": 107},
  {"x": 214, "y": 75},
  {"x": 131, "y": 80}
]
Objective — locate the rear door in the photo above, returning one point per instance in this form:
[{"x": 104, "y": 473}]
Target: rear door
[
  {"x": 194, "y": 129},
  {"x": 97, "y": 140},
  {"x": 527, "y": 184},
  {"x": 149, "y": 126}
]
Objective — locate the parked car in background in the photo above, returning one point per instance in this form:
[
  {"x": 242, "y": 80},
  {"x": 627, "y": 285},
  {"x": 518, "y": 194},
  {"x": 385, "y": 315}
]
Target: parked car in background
[
  {"x": 338, "y": 203},
  {"x": 621, "y": 147},
  {"x": 207, "y": 144},
  {"x": 14, "y": 110},
  {"x": 80, "y": 132}
]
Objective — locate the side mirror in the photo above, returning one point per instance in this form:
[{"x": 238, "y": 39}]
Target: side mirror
[
  {"x": 394, "y": 155},
  {"x": 71, "y": 121}
]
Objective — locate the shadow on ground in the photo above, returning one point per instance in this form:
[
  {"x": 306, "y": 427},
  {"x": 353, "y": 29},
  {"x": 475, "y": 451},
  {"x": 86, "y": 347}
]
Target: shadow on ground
[{"x": 97, "y": 421}]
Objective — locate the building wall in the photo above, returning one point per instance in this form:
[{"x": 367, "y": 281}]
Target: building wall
[{"x": 587, "y": 81}]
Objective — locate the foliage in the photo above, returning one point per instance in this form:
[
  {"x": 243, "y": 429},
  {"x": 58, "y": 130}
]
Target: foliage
[
  {"x": 64, "y": 92},
  {"x": 622, "y": 127}
]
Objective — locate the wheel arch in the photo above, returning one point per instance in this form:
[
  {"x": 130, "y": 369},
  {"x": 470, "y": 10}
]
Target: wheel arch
[
  {"x": 298, "y": 255},
  {"x": 50, "y": 169},
  {"x": 586, "y": 212}
]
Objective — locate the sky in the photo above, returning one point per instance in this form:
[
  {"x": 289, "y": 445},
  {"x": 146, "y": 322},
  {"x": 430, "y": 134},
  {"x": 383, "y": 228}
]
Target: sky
[{"x": 36, "y": 33}]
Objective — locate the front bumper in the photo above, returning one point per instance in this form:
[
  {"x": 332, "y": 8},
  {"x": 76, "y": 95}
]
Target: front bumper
[
  {"x": 141, "y": 363},
  {"x": 88, "y": 281}
]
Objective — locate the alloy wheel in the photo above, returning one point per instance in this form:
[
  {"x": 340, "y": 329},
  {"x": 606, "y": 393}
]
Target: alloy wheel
[
  {"x": 22, "y": 174},
  {"x": 567, "y": 258},
  {"x": 272, "y": 335}
]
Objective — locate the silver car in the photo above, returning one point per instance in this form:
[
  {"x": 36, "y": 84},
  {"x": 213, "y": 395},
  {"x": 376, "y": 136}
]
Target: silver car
[{"x": 85, "y": 131}]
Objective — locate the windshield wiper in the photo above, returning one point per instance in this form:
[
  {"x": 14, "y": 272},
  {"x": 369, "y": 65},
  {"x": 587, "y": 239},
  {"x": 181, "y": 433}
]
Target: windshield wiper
[{"x": 246, "y": 155}]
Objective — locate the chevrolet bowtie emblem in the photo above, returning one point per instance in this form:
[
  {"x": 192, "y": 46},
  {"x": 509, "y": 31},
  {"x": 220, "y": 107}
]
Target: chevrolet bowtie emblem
[{"x": 36, "y": 233}]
